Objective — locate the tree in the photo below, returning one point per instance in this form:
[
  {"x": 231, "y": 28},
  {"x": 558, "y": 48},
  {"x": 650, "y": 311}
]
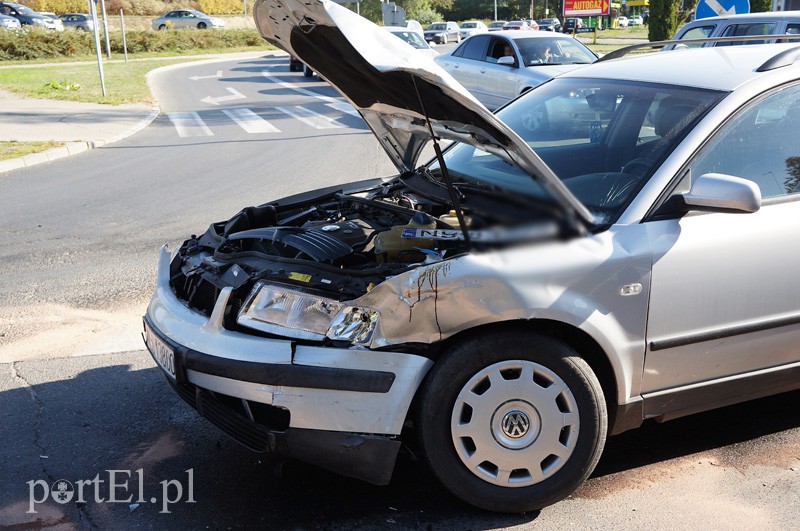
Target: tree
[{"x": 663, "y": 19}]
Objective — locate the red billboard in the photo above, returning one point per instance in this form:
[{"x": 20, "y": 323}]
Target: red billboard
[{"x": 586, "y": 8}]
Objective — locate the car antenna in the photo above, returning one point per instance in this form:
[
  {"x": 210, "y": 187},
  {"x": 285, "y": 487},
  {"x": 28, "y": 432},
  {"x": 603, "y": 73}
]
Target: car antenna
[{"x": 445, "y": 174}]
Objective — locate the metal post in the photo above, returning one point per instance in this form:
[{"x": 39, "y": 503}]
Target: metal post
[
  {"x": 105, "y": 27},
  {"x": 124, "y": 42},
  {"x": 93, "y": 11},
  {"x": 495, "y": 9}
]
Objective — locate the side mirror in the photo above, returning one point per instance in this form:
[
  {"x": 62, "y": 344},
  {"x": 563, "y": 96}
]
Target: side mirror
[
  {"x": 717, "y": 192},
  {"x": 506, "y": 60}
]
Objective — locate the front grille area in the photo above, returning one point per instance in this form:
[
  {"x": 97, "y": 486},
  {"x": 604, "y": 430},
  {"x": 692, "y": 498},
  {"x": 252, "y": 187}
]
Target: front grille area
[
  {"x": 232, "y": 415},
  {"x": 197, "y": 292}
]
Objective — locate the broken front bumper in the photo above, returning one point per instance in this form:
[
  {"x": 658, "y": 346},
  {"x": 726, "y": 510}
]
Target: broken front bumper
[{"x": 338, "y": 408}]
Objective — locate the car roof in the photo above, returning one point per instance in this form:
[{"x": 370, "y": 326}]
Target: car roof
[
  {"x": 518, "y": 36},
  {"x": 717, "y": 68}
]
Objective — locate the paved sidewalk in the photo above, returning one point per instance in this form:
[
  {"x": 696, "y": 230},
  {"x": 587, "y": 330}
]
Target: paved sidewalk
[{"x": 81, "y": 126}]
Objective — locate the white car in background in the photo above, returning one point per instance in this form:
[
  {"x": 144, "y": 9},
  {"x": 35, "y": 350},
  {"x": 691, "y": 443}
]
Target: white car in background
[
  {"x": 622, "y": 22},
  {"x": 413, "y": 38},
  {"x": 469, "y": 28}
]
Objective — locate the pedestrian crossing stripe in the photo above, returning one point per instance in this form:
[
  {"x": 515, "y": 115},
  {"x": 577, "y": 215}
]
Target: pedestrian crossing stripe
[{"x": 191, "y": 124}]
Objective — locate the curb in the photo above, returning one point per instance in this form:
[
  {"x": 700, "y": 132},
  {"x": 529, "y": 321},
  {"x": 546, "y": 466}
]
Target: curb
[{"x": 73, "y": 148}]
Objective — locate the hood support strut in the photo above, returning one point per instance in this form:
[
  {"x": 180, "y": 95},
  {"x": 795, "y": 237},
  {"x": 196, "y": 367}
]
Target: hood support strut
[{"x": 445, "y": 174}]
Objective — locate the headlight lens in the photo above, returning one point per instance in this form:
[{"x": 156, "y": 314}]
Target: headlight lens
[
  {"x": 291, "y": 313},
  {"x": 354, "y": 324}
]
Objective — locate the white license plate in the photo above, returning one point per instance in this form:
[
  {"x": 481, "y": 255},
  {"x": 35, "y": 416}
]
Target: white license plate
[{"x": 162, "y": 353}]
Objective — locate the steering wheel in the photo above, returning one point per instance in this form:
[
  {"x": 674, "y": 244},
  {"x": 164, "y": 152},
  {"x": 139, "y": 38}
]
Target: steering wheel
[{"x": 638, "y": 166}]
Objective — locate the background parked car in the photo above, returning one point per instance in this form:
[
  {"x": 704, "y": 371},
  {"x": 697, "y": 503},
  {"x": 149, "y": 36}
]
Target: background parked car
[
  {"x": 187, "y": 18},
  {"x": 443, "y": 32},
  {"x": 484, "y": 67},
  {"x": 469, "y": 28},
  {"x": 572, "y": 25},
  {"x": 517, "y": 25},
  {"x": 414, "y": 25},
  {"x": 29, "y": 17},
  {"x": 497, "y": 25},
  {"x": 78, "y": 21},
  {"x": 549, "y": 24},
  {"x": 7, "y": 22},
  {"x": 622, "y": 22},
  {"x": 412, "y": 38},
  {"x": 637, "y": 20}
]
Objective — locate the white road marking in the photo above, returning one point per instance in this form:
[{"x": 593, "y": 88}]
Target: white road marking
[
  {"x": 235, "y": 95},
  {"x": 301, "y": 90},
  {"x": 250, "y": 121},
  {"x": 196, "y": 78},
  {"x": 189, "y": 124},
  {"x": 309, "y": 117},
  {"x": 342, "y": 106}
]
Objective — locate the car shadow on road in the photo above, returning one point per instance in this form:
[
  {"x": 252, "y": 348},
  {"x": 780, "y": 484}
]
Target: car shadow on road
[{"x": 116, "y": 412}]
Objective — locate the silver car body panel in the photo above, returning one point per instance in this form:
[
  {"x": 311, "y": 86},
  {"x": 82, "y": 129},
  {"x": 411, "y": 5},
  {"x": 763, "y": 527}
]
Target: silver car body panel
[
  {"x": 495, "y": 84},
  {"x": 326, "y": 36},
  {"x": 322, "y": 409}
]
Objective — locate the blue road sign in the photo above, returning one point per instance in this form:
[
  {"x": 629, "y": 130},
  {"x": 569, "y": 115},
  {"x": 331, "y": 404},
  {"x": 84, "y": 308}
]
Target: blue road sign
[{"x": 713, "y": 8}]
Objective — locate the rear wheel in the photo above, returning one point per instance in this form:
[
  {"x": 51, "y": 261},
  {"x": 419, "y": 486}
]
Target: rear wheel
[
  {"x": 201, "y": 25},
  {"x": 512, "y": 421}
]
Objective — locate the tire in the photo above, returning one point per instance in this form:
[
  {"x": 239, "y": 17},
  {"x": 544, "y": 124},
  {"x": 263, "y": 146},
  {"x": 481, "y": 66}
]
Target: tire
[
  {"x": 201, "y": 25},
  {"x": 519, "y": 446},
  {"x": 307, "y": 72},
  {"x": 162, "y": 26},
  {"x": 458, "y": 38},
  {"x": 444, "y": 39}
]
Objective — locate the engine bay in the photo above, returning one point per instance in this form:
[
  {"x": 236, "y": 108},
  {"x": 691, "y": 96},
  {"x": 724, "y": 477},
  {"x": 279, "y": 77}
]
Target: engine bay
[{"x": 336, "y": 244}]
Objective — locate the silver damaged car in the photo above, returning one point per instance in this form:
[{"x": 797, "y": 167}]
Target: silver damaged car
[{"x": 612, "y": 246}]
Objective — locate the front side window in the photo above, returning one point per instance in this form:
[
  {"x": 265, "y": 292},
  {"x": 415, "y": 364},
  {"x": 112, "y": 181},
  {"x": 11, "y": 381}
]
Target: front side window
[
  {"x": 761, "y": 143},
  {"x": 700, "y": 32}
]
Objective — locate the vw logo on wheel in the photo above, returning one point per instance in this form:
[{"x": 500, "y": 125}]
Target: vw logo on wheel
[{"x": 515, "y": 424}]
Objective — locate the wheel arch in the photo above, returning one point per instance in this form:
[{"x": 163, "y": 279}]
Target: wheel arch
[{"x": 620, "y": 417}]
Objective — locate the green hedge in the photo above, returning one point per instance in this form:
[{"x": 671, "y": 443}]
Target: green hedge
[{"x": 38, "y": 43}]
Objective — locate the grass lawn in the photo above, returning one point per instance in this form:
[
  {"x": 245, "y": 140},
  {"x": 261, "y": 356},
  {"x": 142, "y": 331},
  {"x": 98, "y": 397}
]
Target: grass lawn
[
  {"x": 12, "y": 150},
  {"x": 125, "y": 82}
]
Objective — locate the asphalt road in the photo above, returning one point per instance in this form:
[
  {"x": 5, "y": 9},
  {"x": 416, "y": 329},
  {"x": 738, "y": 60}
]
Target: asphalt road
[{"x": 80, "y": 398}]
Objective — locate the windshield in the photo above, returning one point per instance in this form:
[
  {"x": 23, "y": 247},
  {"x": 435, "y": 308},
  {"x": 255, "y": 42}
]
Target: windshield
[
  {"x": 437, "y": 27},
  {"x": 468, "y": 25},
  {"x": 602, "y": 138},
  {"x": 539, "y": 51},
  {"x": 412, "y": 38},
  {"x": 25, "y": 10}
]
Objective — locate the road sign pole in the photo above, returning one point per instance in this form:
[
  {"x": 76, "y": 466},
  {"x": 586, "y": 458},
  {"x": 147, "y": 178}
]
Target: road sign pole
[{"x": 93, "y": 11}]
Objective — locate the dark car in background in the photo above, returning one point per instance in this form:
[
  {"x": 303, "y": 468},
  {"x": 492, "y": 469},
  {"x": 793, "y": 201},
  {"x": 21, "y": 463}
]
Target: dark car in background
[
  {"x": 78, "y": 21},
  {"x": 549, "y": 24},
  {"x": 443, "y": 32},
  {"x": 29, "y": 17},
  {"x": 572, "y": 25}
]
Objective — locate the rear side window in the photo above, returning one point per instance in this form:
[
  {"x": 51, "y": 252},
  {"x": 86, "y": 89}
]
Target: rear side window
[
  {"x": 739, "y": 30},
  {"x": 474, "y": 48}
]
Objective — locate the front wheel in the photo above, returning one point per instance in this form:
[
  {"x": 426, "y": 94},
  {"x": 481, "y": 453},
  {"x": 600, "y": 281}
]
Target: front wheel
[
  {"x": 513, "y": 421},
  {"x": 162, "y": 26},
  {"x": 307, "y": 72},
  {"x": 201, "y": 25},
  {"x": 444, "y": 39}
]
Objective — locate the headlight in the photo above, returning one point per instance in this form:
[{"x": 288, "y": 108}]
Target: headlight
[{"x": 291, "y": 313}]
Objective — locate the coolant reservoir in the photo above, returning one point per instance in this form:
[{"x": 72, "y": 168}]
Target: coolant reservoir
[
  {"x": 395, "y": 248},
  {"x": 451, "y": 218}
]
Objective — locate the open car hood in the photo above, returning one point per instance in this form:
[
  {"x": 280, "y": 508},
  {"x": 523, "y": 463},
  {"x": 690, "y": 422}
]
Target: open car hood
[{"x": 395, "y": 88}]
